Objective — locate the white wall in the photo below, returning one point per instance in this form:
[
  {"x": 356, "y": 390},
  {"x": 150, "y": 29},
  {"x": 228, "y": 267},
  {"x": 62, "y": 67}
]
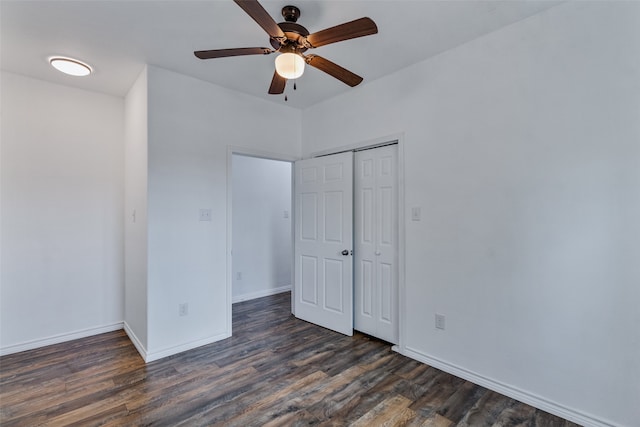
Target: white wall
[
  {"x": 135, "y": 213},
  {"x": 62, "y": 200},
  {"x": 191, "y": 123},
  {"x": 523, "y": 150},
  {"x": 262, "y": 244}
]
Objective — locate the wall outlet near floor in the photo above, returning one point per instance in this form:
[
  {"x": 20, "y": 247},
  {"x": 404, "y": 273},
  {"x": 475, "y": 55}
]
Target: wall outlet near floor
[
  {"x": 183, "y": 309},
  {"x": 440, "y": 321}
]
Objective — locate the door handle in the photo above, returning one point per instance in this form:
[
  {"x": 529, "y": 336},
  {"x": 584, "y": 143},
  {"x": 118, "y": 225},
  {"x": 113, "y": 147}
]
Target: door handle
[{"x": 345, "y": 252}]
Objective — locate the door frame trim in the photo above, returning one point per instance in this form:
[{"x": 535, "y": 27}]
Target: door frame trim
[
  {"x": 251, "y": 152},
  {"x": 373, "y": 143}
]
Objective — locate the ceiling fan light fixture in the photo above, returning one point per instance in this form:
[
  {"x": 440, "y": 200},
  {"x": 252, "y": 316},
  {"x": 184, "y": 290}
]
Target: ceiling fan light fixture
[
  {"x": 290, "y": 65},
  {"x": 70, "y": 66}
]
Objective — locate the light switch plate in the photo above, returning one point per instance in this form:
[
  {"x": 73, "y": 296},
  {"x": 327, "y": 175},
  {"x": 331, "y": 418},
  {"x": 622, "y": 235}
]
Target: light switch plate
[
  {"x": 205, "y": 214},
  {"x": 415, "y": 214}
]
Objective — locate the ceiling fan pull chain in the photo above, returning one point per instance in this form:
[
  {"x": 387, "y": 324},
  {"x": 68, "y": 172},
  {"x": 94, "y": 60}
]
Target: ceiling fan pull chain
[
  {"x": 294, "y": 85},
  {"x": 285, "y": 97}
]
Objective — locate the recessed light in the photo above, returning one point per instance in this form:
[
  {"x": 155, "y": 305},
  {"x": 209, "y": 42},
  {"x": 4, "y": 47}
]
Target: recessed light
[{"x": 70, "y": 66}]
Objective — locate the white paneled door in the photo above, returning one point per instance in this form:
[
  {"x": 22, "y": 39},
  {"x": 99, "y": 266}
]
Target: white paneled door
[
  {"x": 376, "y": 242},
  {"x": 323, "y": 290}
]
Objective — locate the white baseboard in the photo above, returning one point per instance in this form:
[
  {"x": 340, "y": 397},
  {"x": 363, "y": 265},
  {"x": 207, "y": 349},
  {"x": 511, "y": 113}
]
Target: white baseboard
[
  {"x": 135, "y": 341},
  {"x": 260, "y": 294},
  {"x": 60, "y": 338},
  {"x": 170, "y": 351},
  {"x": 507, "y": 390}
]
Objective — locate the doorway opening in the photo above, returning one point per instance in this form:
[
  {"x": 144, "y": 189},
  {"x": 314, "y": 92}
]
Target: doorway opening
[{"x": 261, "y": 222}]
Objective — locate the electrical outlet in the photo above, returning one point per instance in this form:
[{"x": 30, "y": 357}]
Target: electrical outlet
[
  {"x": 183, "y": 309},
  {"x": 440, "y": 321}
]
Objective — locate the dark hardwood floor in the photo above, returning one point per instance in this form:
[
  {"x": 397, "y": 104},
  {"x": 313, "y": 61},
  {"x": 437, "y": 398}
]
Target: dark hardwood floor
[{"x": 275, "y": 370}]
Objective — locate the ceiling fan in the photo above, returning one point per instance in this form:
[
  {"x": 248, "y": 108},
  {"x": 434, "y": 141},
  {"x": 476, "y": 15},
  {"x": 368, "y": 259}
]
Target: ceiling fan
[{"x": 291, "y": 40}]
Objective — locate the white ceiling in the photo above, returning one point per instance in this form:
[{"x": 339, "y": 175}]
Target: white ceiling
[{"x": 118, "y": 37}]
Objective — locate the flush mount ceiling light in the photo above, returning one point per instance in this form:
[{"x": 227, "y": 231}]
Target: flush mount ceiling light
[
  {"x": 70, "y": 66},
  {"x": 290, "y": 65}
]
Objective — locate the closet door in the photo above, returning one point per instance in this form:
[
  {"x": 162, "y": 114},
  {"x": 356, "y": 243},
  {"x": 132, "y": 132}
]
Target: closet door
[
  {"x": 323, "y": 289},
  {"x": 376, "y": 242}
]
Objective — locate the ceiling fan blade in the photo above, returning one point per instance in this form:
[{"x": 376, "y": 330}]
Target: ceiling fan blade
[
  {"x": 222, "y": 53},
  {"x": 349, "y": 30},
  {"x": 334, "y": 70},
  {"x": 257, "y": 12},
  {"x": 277, "y": 84}
]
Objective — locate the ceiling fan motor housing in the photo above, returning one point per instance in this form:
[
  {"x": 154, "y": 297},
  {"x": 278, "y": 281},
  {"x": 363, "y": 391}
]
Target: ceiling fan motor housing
[{"x": 292, "y": 30}]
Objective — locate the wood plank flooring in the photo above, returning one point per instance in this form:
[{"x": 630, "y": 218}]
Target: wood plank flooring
[{"x": 276, "y": 370}]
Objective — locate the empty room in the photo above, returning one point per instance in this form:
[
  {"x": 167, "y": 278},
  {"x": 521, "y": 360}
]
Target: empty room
[{"x": 452, "y": 235}]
